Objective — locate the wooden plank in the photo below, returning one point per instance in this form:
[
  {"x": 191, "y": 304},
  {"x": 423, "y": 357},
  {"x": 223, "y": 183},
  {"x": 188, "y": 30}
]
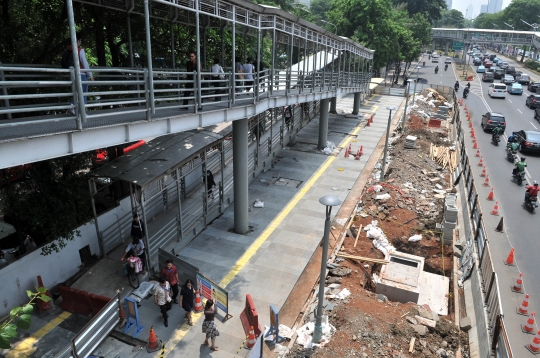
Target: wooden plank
[
  {"x": 360, "y": 258},
  {"x": 358, "y": 235},
  {"x": 411, "y": 344}
]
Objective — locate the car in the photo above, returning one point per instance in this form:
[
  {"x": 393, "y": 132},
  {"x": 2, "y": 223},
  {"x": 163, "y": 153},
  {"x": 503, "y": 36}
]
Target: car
[
  {"x": 488, "y": 77},
  {"x": 499, "y": 62},
  {"x": 528, "y": 140},
  {"x": 434, "y": 59},
  {"x": 537, "y": 114},
  {"x": 516, "y": 88},
  {"x": 504, "y": 65},
  {"x": 477, "y": 61},
  {"x": 422, "y": 80},
  {"x": 516, "y": 74},
  {"x": 491, "y": 119},
  {"x": 507, "y": 79},
  {"x": 497, "y": 90},
  {"x": 498, "y": 73},
  {"x": 524, "y": 79},
  {"x": 448, "y": 60},
  {"x": 533, "y": 101},
  {"x": 532, "y": 86},
  {"x": 510, "y": 70},
  {"x": 492, "y": 57},
  {"x": 481, "y": 69}
]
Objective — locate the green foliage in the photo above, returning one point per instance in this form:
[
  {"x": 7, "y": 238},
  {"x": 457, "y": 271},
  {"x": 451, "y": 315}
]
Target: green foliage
[
  {"x": 451, "y": 19},
  {"x": 53, "y": 200},
  {"x": 533, "y": 65},
  {"x": 432, "y": 8},
  {"x": 319, "y": 10},
  {"x": 20, "y": 317}
]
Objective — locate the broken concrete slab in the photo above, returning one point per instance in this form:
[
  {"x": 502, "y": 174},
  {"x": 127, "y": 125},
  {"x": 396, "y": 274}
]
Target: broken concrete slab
[
  {"x": 426, "y": 322},
  {"x": 421, "y": 330},
  {"x": 411, "y": 320},
  {"x": 465, "y": 324}
]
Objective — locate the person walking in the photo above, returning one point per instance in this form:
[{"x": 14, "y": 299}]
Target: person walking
[
  {"x": 248, "y": 74},
  {"x": 68, "y": 61},
  {"x": 209, "y": 324},
  {"x": 187, "y": 297},
  {"x": 239, "y": 70},
  {"x": 191, "y": 67},
  {"x": 217, "y": 75},
  {"x": 162, "y": 298},
  {"x": 210, "y": 183},
  {"x": 288, "y": 117},
  {"x": 171, "y": 275}
]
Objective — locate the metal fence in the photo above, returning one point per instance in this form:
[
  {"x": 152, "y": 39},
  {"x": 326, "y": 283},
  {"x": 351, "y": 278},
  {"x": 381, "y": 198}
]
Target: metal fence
[
  {"x": 91, "y": 336},
  {"x": 492, "y": 336}
]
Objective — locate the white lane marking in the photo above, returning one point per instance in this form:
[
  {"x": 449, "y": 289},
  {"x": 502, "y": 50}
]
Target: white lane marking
[
  {"x": 532, "y": 124},
  {"x": 511, "y": 102},
  {"x": 520, "y": 111}
]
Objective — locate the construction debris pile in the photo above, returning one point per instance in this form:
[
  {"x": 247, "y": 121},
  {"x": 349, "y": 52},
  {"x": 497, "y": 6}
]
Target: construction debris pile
[
  {"x": 429, "y": 109},
  {"x": 406, "y": 213}
]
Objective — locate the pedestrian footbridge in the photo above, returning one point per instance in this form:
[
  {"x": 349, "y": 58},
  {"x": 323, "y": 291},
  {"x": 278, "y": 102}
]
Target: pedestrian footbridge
[
  {"x": 45, "y": 113},
  {"x": 509, "y": 37}
]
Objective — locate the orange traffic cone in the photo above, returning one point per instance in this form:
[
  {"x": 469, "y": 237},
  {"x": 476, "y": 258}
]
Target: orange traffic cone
[
  {"x": 510, "y": 259},
  {"x": 495, "y": 210},
  {"x": 524, "y": 308},
  {"x": 486, "y": 182},
  {"x": 518, "y": 286},
  {"x": 368, "y": 122},
  {"x": 250, "y": 342},
  {"x": 491, "y": 195},
  {"x": 534, "y": 347},
  {"x": 470, "y": 123},
  {"x": 346, "y": 153},
  {"x": 358, "y": 154},
  {"x": 483, "y": 174},
  {"x": 499, "y": 227},
  {"x": 477, "y": 153},
  {"x": 350, "y": 148},
  {"x": 481, "y": 163},
  {"x": 475, "y": 146},
  {"x": 198, "y": 303},
  {"x": 529, "y": 326},
  {"x": 152, "y": 344},
  {"x": 42, "y": 305},
  {"x": 371, "y": 118}
]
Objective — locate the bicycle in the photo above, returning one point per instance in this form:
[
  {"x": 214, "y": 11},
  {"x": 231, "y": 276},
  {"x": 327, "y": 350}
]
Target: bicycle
[{"x": 129, "y": 271}]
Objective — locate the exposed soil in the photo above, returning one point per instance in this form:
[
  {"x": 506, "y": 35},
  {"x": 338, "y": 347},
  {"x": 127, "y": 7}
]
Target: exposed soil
[{"x": 367, "y": 324}]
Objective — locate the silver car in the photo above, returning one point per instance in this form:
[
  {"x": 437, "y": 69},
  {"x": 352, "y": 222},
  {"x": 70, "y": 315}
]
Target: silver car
[{"x": 507, "y": 80}]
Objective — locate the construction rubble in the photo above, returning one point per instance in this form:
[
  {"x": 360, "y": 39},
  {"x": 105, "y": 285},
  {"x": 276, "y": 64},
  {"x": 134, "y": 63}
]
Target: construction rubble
[{"x": 404, "y": 213}]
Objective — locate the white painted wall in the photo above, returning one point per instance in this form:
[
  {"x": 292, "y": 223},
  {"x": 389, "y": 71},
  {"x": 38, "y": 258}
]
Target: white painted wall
[{"x": 21, "y": 275}]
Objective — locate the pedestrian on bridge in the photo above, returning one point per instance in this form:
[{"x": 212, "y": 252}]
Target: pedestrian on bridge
[
  {"x": 191, "y": 68},
  {"x": 248, "y": 74}
]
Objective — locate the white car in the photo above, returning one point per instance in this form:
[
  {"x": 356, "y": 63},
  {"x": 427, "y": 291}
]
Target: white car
[
  {"x": 448, "y": 61},
  {"x": 497, "y": 90}
]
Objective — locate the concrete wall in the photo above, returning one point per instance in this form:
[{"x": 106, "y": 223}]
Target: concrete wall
[{"x": 21, "y": 275}]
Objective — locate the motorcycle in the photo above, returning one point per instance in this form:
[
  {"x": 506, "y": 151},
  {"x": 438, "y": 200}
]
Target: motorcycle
[
  {"x": 465, "y": 93},
  {"x": 531, "y": 202},
  {"x": 511, "y": 155},
  {"x": 436, "y": 70},
  {"x": 445, "y": 67},
  {"x": 519, "y": 176},
  {"x": 496, "y": 138}
]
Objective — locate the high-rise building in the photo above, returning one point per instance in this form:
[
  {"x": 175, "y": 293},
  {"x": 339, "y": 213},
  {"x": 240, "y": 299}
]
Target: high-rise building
[
  {"x": 494, "y": 6},
  {"x": 470, "y": 10},
  {"x": 483, "y": 8},
  {"x": 448, "y": 4}
]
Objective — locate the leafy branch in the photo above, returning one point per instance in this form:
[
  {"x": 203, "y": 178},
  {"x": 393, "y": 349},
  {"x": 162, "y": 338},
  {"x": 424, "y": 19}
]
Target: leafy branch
[{"x": 19, "y": 317}]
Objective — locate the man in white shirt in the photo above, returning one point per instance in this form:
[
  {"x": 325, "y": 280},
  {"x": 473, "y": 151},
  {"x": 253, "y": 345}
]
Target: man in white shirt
[
  {"x": 248, "y": 74},
  {"x": 217, "y": 74}
]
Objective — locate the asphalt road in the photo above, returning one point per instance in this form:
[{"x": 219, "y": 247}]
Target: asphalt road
[{"x": 521, "y": 227}]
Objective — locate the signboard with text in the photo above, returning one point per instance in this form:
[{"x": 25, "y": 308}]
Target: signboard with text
[
  {"x": 458, "y": 45},
  {"x": 211, "y": 290}
]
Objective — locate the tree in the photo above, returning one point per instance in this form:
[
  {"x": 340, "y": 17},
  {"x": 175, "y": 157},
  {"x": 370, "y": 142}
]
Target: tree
[
  {"x": 51, "y": 202},
  {"x": 451, "y": 18},
  {"x": 19, "y": 317},
  {"x": 319, "y": 9},
  {"x": 433, "y": 8}
]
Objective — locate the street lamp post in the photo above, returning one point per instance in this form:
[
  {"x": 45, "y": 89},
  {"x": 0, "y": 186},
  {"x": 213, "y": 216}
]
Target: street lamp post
[
  {"x": 390, "y": 108},
  {"x": 329, "y": 23},
  {"x": 407, "y": 97},
  {"x": 329, "y": 201},
  {"x": 415, "y": 82}
]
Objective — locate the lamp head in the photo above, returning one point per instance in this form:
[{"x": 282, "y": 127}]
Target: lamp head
[
  {"x": 391, "y": 108},
  {"x": 329, "y": 200}
]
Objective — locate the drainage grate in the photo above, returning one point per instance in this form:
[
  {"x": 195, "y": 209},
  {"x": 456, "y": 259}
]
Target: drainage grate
[
  {"x": 341, "y": 134},
  {"x": 291, "y": 183}
]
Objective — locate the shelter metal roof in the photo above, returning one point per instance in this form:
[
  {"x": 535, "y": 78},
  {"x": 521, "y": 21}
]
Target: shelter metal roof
[{"x": 158, "y": 157}]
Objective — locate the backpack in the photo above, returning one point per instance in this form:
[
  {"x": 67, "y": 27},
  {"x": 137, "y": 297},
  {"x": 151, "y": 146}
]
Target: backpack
[{"x": 67, "y": 59}]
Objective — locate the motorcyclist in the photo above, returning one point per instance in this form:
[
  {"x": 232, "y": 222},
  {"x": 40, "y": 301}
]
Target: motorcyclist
[
  {"x": 436, "y": 69},
  {"x": 519, "y": 166},
  {"x": 456, "y": 86},
  {"x": 532, "y": 190},
  {"x": 512, "y": 146},
  {"x": 445, "y": 67},
  {"x": 497, "y": 131},
  {"x": 465, "y": 92},
  {"x": 424, "y": 63},
  {"x": 468, "y": 85},
  {"x": 429, "y": 57}
]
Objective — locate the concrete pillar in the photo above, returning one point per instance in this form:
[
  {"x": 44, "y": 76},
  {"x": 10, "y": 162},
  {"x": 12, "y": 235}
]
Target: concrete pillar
[
  {"x": 446, "y": 48},
  {"x": 240, "y": 172},
  {"x": 356, "y": 103},
  {"x": 323, "y": 124},
  {"x": 333, "y": 105}
]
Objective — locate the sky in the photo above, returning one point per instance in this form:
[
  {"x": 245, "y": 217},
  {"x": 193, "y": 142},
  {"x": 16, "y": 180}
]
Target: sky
[{"x": 461, "y": 5}]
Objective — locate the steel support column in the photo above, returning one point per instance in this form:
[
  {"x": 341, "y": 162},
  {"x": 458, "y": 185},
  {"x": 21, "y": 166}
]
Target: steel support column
[
  {"x": 148, "y": 56},
  {"x": 77, "y": 67},
  {"x": 356, "y": 103},
  {"x": 240, "y": 170},
  {"x": 323, "y": 124},
  {"x": 179, "y": 193},
  {"x": 198, "y": 91},
  {"x": 333, "y": 105}
]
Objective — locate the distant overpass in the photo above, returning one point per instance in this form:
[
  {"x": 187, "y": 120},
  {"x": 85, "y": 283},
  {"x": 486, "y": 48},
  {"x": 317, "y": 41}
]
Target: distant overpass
[{"x": 509, "y": 37}]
